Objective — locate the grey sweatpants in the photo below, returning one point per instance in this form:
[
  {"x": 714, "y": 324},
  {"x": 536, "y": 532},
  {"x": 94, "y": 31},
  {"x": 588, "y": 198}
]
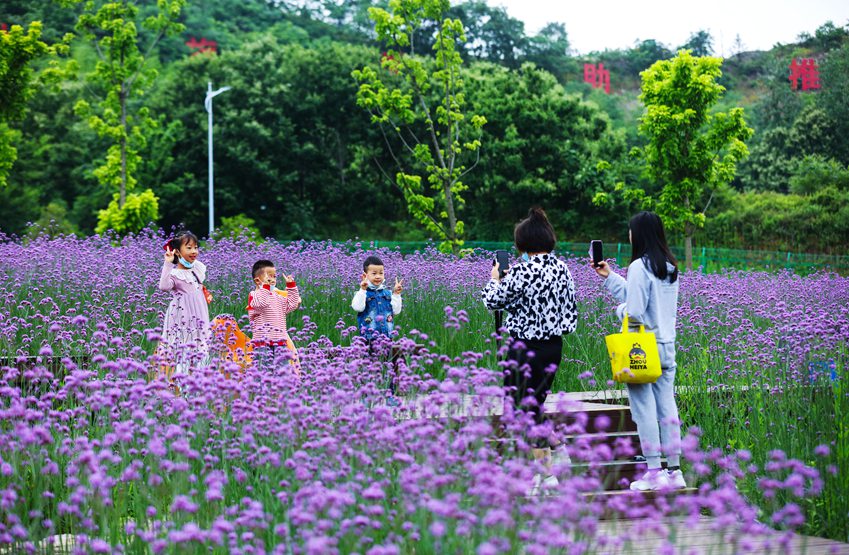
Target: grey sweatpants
[{"x": 655, "y": 412}]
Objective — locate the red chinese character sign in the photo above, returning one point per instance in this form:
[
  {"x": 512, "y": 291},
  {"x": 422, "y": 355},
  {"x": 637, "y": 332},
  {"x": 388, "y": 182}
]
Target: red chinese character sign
[
  {"x": 202, "y": 45},
  {"x": 806, "y": 70},
  {"x": 598, "y": 77}
]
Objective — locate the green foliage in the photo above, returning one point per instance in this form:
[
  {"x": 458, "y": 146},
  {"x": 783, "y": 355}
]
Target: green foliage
[
  {"x": 699, "y": 44},
  {"x": 817, "y": 222},
  {"x": 52, "y": 221},
  {"x": 19, "y": 50},
  {"x": 834, "y": 77},
  {"x": 815, "y": 173},
  {"x": 777, "y": 154},
  {"x": 138, "y": 211},
  {"x": 417, "y": 97},
  {"x": 292, "y": 149},
  {"x": 690, "y": 150},
  {"x": 122, "y": 73},
  {"x": 543, "y": 146},
  {"x": 491, "y": 34},
  {"x": 238, "y": 227}
]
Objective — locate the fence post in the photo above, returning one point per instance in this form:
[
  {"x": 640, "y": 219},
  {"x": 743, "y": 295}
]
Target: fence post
[
  {"x": 704, "y": 262},
  {"x": 788, "y": 265},
  {"x": 618, "y": 252}
]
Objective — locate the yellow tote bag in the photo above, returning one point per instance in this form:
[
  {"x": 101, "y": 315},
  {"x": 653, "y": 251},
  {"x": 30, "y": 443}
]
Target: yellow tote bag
[{"x": 633, "y": 355}]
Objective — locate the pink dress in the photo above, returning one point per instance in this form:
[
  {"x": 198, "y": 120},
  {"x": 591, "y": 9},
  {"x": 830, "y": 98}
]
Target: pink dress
[{"x": 185, "y": 332}]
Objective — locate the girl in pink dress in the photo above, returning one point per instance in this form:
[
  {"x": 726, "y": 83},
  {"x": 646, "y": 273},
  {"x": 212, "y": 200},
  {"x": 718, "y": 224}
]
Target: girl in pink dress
[{"x": 185, "y": 331}]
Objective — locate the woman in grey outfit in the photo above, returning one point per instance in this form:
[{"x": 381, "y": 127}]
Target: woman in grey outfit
[{"x": 650, "y": 297}]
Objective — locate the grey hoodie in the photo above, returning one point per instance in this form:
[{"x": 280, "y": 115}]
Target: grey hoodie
[{"x": 648, "y": 301}]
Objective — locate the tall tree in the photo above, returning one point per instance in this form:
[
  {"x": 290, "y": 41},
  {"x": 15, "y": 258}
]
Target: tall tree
[
  {"x": 421, "y": 103},
  {"x": 122, "y": 75},
  {"x": 691, "y": 151}
]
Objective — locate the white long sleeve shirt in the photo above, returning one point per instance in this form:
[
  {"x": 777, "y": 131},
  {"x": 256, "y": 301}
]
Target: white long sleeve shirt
[{"x": 359, "y": 301}]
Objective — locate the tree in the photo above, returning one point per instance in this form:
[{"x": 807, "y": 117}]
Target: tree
[
  {"x": 122, "y": 74},
  {"x": 18, "y": 82},
  {"x": 291, "y": 142},
  {"x": 491, "y": 34},
  {"x": 549, "y": 49},
  {"x": 832, "y": 98},
  {"x": 645, "y": 53},
  {"x": 542, "y": 147},
  {"x": 691, "y": 151},
  {"x": 412, "y": 91},
  {"x": 700, "y": 43},
  {"x": 137, "y": 212}
]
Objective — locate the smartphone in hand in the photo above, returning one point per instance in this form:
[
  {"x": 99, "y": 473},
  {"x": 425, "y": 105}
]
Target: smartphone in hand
[
  {"x": 596, "y": 252},
  {"x": 503, "y": 259}
]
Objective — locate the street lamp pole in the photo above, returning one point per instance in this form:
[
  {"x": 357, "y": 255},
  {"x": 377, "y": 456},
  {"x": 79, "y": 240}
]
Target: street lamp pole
[{"x": 210, "y": 94}]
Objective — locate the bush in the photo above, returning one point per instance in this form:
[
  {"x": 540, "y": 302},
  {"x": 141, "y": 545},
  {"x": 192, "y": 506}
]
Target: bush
[
  {"x": 238, "y": 226},
  {"x": 138, "y": 211}
]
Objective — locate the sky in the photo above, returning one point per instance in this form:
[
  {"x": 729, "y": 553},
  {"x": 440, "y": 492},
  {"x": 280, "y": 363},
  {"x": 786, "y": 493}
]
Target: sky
[{"x": 597, "y": 25}]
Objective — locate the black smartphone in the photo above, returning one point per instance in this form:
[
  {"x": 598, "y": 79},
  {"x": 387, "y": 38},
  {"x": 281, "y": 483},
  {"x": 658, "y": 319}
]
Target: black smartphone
[
  {"x": 596, "y": 252},
  {"x": 503, "y": 260}
]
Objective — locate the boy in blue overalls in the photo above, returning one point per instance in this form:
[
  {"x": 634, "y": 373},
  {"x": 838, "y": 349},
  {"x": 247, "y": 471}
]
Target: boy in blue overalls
[{"x": 376, "y": 306}]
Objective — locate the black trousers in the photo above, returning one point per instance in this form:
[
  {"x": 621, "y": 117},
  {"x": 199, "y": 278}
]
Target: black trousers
[{"x": 536, "y": 363}]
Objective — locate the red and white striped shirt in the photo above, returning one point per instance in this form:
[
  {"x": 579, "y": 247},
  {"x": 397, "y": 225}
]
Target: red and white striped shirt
[{"x": 267, "y": 311}]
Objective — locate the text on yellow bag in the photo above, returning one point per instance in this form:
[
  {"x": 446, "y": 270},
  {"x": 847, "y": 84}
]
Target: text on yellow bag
[{"x": 633, "y": 355}]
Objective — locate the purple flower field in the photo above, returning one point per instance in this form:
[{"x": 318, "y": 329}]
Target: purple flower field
[{"x": 97, "y": 449}]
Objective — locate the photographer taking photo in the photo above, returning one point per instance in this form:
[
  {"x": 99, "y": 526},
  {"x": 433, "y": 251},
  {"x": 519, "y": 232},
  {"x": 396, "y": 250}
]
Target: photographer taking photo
[{"x": 538, "y": 295}]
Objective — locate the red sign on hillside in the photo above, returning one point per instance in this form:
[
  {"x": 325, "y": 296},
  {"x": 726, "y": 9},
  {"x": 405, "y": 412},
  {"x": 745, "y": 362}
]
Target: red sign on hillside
[
  {"x": 598, "y": 77},
  {"x": 806, "y": 70},
  {"x": 202, "y": 45}
]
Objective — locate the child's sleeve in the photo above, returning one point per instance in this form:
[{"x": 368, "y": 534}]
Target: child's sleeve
[
  {"x": 260, "y": 298},
  {"x": 359, "y": 302},
  {"x": 166, "y": 280},
  {"x": 396, "y": 303},
  {"x": 293, "y": 297}
]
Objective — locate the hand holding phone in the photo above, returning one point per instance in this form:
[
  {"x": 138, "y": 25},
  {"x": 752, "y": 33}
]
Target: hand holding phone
[
  {"x": 596, "y": 252},
  {"x": 502, "y": 258}
]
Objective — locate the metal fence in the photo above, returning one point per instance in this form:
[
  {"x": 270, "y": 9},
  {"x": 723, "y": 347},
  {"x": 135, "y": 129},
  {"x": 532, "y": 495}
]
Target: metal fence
[{"x": 710, "y": 260}]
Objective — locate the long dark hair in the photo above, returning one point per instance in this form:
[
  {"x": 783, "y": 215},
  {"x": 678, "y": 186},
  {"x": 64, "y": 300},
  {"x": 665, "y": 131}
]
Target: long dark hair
[
  {"x": 648, "y": 240},
  {"x": 534, "y": 233}
]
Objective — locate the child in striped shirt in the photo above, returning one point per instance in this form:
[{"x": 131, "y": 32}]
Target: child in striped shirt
[{"x": 267, "y": 310}]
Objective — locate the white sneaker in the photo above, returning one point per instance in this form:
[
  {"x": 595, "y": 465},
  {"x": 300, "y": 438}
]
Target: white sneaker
[
  {"x": 676, "y": 479},
  {"x": 653, "y": 480},
  {"x": 543, "y": 486}
]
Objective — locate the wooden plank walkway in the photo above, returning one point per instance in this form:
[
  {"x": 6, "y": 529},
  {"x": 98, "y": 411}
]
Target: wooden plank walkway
[{"x": 704, "y": 537}]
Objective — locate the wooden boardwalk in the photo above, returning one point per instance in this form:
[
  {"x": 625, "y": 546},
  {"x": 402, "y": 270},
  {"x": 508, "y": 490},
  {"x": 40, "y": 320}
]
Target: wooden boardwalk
[
  {"x": 703, "y": 538},
  {"x": 674, "y": 535}
]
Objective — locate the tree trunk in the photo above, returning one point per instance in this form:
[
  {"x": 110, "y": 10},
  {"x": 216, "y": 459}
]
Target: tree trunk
[
  {"x": 688, "y": 251},
  {"x": 122, "y": 197},
  {"x": 452, "y": 217}
]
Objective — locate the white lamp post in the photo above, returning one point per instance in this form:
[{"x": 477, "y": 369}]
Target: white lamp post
[{"x": 210, "y": 94}]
